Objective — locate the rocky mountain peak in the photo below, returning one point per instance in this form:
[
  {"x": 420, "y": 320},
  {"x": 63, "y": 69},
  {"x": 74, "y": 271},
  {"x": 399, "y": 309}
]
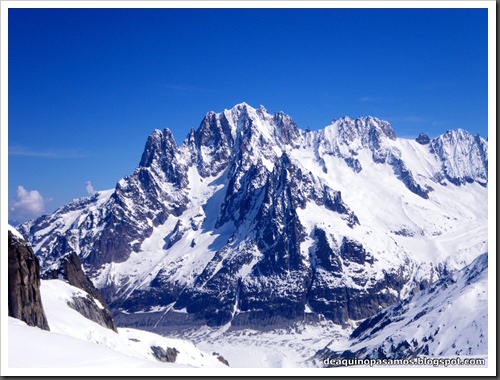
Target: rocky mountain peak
[
  {"x": 464, "y": 157},
  {"x": 252, "y": 218},
  {"x": 423, "y": 139},
  {"x": 278, "y": 128},
  {"x": 365, "y": 131},
  {"x": 346, "y": 137},
  {"x": 160, "y": 146},
  {"x": 242, "y": 134}
]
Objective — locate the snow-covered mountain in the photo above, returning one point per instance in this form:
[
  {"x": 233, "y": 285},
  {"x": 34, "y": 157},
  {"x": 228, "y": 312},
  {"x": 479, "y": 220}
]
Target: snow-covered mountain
[
  {"x": 253, "y": 221},
  {"x": 448, "y": 319}
]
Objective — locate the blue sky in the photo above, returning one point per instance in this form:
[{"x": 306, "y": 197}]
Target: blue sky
[{"x": 87, "y": 86}]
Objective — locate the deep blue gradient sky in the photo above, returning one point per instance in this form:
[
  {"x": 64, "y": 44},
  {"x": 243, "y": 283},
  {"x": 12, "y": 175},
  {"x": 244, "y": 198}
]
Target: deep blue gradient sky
[{"x": 87, "y": 86}]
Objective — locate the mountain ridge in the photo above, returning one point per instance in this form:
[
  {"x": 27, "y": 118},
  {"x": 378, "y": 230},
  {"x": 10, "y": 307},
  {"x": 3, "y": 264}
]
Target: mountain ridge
[
  {"x": 235, "y": 224},
  {"x": 430, "y": 323}
]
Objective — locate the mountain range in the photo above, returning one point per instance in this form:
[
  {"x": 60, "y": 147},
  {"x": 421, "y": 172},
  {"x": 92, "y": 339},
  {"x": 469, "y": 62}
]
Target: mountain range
[{"x": 253, "y": 222}]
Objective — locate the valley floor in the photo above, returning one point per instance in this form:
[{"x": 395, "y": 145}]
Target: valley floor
[{"x": 291, "y": 347}]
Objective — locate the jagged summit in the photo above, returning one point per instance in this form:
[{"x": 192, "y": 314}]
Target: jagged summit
[
  {"x": 257, "y": 130},
  {"x": 363, "y": 126},
  {"x": 218, "y": 132},
  {"x": 253, "y": 221},
  {"x": 160, "y": 145},
  {"x": 423, "y": 139},
  {"x": 464, "y": 156}
]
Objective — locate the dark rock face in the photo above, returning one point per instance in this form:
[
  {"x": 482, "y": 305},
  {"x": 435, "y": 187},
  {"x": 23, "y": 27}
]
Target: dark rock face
[
  {"x": 343, "y": 303},
  {"x": 87, "y": 307},
  {"x": 423, "y": 139},
  {"x": 353, "y": 251},
  {"x": 161, "y": 149},
  {"x": 221, "y": 358},
  {"x": 215, "y": 138},
  {"x": 70, "y": 269},
  {"x": 354, "y": 164},
  {"x": 168, "y": 355},
  {"x": 406, "y": 176},
  {"x": 324, "y": 255},
  {"x": 24, "y": 284}
]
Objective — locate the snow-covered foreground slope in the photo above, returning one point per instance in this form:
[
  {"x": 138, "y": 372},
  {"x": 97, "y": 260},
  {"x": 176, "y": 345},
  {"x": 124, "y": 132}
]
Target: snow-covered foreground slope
[
  {"x": 75, "y": 341},
  {"x": 448, "y": 319},
  {"x": 31, "y": 347}
]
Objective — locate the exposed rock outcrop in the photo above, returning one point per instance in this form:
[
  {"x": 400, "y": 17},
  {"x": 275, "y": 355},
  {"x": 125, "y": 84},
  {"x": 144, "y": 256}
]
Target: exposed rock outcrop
[
  {"x": 25, "y": 302},
  {"x": 221, "y": 358},
  {"x": 93, "y": 307},
  {"x": 423, "y": 139},
  {"x": 168, "y": 355}
]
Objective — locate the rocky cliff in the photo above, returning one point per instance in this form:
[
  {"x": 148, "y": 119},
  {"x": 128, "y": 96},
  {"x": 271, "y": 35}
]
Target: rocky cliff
[
  {"x": 24, "y": 298},
  {"x": 92, "y": 306}
]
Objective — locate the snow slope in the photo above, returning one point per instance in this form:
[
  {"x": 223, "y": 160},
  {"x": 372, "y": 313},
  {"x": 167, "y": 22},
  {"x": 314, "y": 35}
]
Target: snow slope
[
  {"x": 448, "y": 319},
  {"x": 75, "y": 341},
  {"x": 30, "y": 347}
]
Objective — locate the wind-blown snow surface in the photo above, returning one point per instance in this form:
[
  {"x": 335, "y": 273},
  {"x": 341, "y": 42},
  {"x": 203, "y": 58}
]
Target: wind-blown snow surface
[
  {"x": 257, "y": 223},
  {"x": 75, "y": 341}
]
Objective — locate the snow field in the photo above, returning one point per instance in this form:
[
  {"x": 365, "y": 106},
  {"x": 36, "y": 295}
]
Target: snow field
[{"x": 75, "y": 341}]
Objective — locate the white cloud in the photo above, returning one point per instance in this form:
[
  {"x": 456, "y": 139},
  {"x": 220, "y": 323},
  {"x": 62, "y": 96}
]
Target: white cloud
[
  {"x": 90, "y": 189},
  {"x": 27, "y": 205},
  {"x": 23, "y": 151}
]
